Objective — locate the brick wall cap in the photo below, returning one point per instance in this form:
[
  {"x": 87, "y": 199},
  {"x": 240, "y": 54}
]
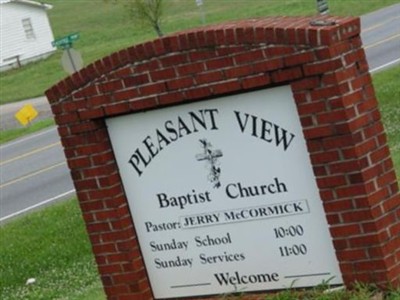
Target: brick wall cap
[{"x": 335, "y": 30}]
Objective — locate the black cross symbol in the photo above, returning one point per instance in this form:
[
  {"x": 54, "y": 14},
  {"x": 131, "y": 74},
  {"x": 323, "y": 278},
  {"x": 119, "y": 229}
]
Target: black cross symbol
[
  {"x": 211, "y": 156},
  {"x": 208, "y": 154}
]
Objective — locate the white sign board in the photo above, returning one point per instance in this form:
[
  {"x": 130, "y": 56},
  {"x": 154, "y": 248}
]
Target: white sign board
[{"x": 223, "y": 196}]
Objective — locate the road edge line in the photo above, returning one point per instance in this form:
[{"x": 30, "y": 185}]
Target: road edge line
[
  {"x": 385, "y": 65},
  {"x": 36, "y": 205}
]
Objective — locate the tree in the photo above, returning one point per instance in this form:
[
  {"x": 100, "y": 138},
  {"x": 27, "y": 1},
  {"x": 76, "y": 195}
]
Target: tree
[{"x": 147, "y": 12}]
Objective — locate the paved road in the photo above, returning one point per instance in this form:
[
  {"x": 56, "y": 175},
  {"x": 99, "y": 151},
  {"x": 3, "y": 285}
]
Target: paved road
[
  {"x": 381, "y": 37},
  {"x": 7, "y": 112},
  {"x": 33, "y": 169},
  {"x": 33, "y": 173}
]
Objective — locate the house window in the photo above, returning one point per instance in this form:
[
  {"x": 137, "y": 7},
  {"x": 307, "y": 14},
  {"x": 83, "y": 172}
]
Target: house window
[{"x": 27, "y": 25}]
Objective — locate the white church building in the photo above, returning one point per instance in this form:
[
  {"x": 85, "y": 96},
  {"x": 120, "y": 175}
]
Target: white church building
[{"x": 25, "y": 32}]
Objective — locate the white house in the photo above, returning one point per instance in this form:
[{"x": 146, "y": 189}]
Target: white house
[{"x": 25, "y": 32}]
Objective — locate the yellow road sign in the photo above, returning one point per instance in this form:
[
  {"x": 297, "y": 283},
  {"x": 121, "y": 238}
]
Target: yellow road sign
[{"x": 26, "y": 114}]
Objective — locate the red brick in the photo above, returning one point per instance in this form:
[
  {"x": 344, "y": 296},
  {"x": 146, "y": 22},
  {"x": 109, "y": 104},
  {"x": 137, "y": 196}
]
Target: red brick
[
  {"x": 361, "y": 81},
  {"x": 346, "y": 230},
  {"x": 97, "y": 100},
  {"x": 364, "y": 241},
  {"x": 72, "y": 140},
  {"x": 249, "y": 57},
  {"x": 201, "y": 55},
  {"x": 324, "y": 157},
  {"x": 305, "y": 84},
  {"x": 167, "y": 73},
  {"x": 332, "y": 181},
  {"x": 209, "y": 77},
  {"x": 86, "y": 184},
  {"x": 143, "y": 103},
  {"x": 373, "y": 129},
  {"x": 118, "y": 290},
  {"x": 98, "y": 227},
  {"x": 322, "y": 67},
  {"x": 358, "y": 216},
  {"x": 109, "y": 269},
  {"x": 175, "y": 59},
  {"x": 180, "y": 83},
  {"x": 126, "y": 94},
  {"x": 339, "y": 76},
  {"x": 319, "y": 171},
  {"x": 340, "y": 243},
  {"x": 269, "y": 65},
  {"x": 226, "y": 87},
  {"x": 146, "y": 66},
  {"x": 240, "y": 71},
  {"x": 71, "y": 117},
  {"x": 128, "y": 277},
  {"x": 136, "y": 80},
  {"x": 391, "y": 203},
  {"x": 274, "y": 51},
  {"x": 78, "y": 163},
  {"x": 370, "y": 265},
  {"x": 380, "y": 154},
  {"x": 311, "y": 108},
  {"x": 107, "y": 215},
  {"x": 231, "y": 50},
  {"x": 319, "y": 132},
  {"x": 299, "y": 59},
  {"x": 338, "y": 206},
  {"x": 198, "y": 93},
  {"x": 386, "y": 179},
  {"x": 219, "y": 63},
  {"x": 286, "y": 74},
  {"x": 301, "y": 97},
  {"x": 340, "y": 141},
  {"x": 352, "y": 255},
  {"x": 367, "y": 105},
  {"x": 116, "y": 201},
  {"x": 126, "y": 246},
  {"x": 116, "y": 109},
  {"x": 189, "y": 69},
  {"x": 114, "y": 236},
  {"x": 355, "y": 56},
  {"x": 394, "y": 227},
  {"x": 91, "y": 114},
  {"x": 171, "y": 98},
  {"x": 154, "y": 88},
  {"x": 256, "y": 81},
  {"x": 103, "y": 170},
  {"x": 329, "y": 92},
  {"x": 91, "y": 206}
]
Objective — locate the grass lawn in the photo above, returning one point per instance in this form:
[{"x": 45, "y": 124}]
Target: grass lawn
[
  {"x": 106, "y": 27},
  {"x": 51, "y": 246},
  {"x": 387, "y": 89}
]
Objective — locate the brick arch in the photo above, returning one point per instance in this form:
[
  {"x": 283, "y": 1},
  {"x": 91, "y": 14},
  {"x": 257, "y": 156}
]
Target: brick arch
[{"x": 328, "y": 74}]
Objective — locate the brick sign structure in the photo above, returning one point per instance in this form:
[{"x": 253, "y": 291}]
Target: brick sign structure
[{"x": 209, "y": 77}]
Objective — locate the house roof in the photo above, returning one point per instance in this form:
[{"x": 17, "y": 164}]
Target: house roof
[{"x": 29, "y": 2}]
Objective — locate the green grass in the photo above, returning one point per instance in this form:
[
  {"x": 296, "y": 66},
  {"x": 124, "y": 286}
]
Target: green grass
[
  {"x": 105, "y": 28},
  {"x": 51, "y": 246},
  {"x": 387, "y": 89}
]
